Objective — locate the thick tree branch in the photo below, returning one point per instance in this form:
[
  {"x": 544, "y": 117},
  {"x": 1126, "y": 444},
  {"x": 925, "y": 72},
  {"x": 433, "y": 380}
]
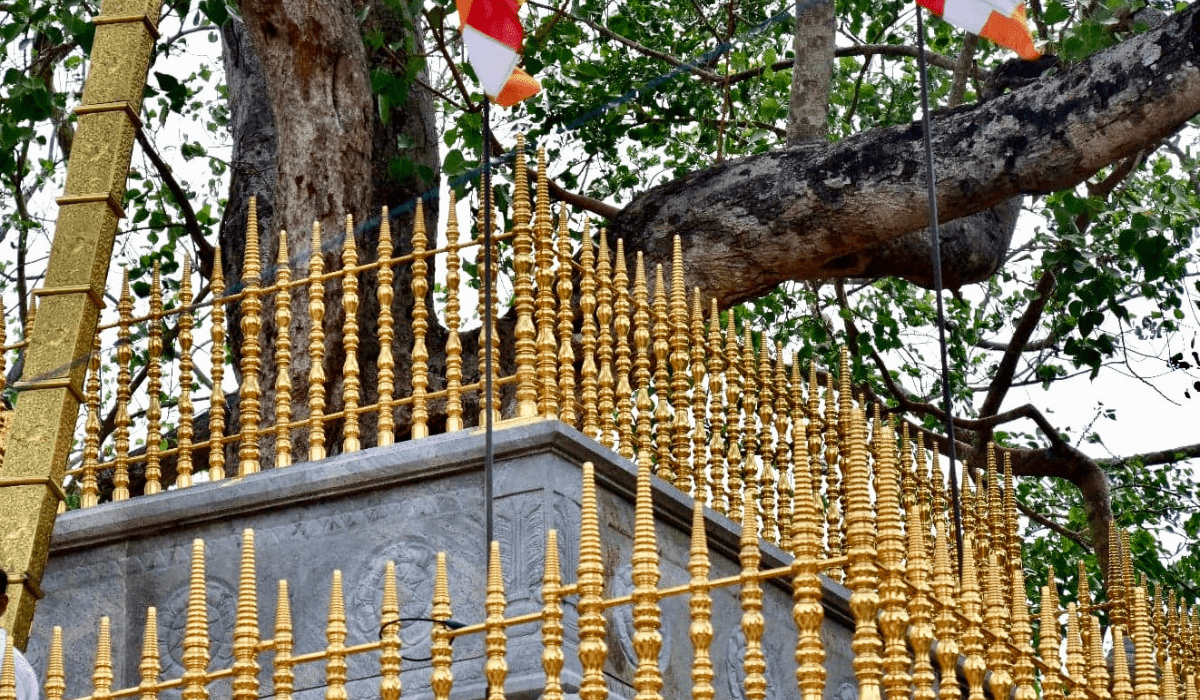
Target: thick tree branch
[
  {"x": 1170, "y": 456},
  {"x": 204, "y": 249},
  {"x": 1029, "y": 321}
]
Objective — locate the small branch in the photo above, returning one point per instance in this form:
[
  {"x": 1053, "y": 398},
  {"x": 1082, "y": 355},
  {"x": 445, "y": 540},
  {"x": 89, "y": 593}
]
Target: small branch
[
  {"x": 575, "y": 199},
  {"x": 1076, "y": 537},
  {"x": 1028, "y": 322},
  {"x": 887, "y": 50},
  {"x": 965, "y": 59},
  {"x": 1046, "y": 343},
  {"x": 1169, "y": 456},
  {"x": 439, "y": 35},
  {"x": 204, "y": 249}
]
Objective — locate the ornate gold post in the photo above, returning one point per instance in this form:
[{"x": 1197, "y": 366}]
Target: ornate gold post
[
  {"x": 8, "y": 673},
  {"x": 216, "y": 402},
  {"x": 183, "y": 465},
  {"x": 56, "y": 679},
  {"x": 102, "y": 675},
  {"x": 716, "y": 392},
  {"x": 283, "y": 355},
  {"x": 389, "y": 633},
  {"x": 454, "y": 408},
  {"x": 282, "y": 680},
  {"x": 245, "y": 630},
  {"x": 525, "y": 342},
  {"x": 441, "y": 679},
  {"x": 749, "y": 464},
  {"x": 335, "y": 635},
  {"x": 154, "y": 385},
  {"x": 89, "y": 490},
  {"x": 385, "y": 292},
  {"x": 945, "y": 623},
  {"x": 122, "y": 420},
  {"x": 587, "y": 304},
  {"x": 621, "y": 322},
  {"x": 249, "y": 409},
  {"x": 681, "y": 446},
  {"x": 604, "y": 351},
  {"x": 643, "y": 441},
  {"x": 484, "y": 313},
  {"x": 1145, "y": 686},
  {"x": 593, "y": 650},
  {"x": 699, "y": 467},
  {"x": 893, "y": 617},
  {"x": 1122, "y": 687},
  {"x": 996, "y": 619},
  {"x": 751, "y": 596},
  {"x": 552, "y": 613},
  {"x": 647, "y": 640},
  {"x": 72, "y": 295},
  {"x": 662, "y": 383},
  {"x": 1097, "y": 673},
  {"x": 543, "y": 235},
  {"x": 920, "y": 604},
  {"x": 700, "y": 607},
  {"x": 566, "y": 324},
  {"x": 807, "y": 611},
  {"x": 733, "y": 434},
  {"x": 316, "y": 348},
  {"x": 495, "y": 668},
  {"x": 350, "y": 381},
  {"x": 1076, "y": 664},
  {"x": 420, "y": 324},
  {"x": 195, "y": 633}
]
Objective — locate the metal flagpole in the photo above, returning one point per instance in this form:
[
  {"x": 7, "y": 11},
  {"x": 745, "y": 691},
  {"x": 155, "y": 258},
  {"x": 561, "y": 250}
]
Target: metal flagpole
[
  {"x": 935, "y": 251},
  {"x": 487, "y": 325}
]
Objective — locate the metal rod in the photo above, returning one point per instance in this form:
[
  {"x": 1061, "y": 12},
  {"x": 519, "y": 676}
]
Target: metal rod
[
  {"x": 935, "y": 252},
  {"x": 487, "y": 325}
]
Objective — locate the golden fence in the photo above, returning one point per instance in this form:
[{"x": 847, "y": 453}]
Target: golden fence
[{"x": 918, "y": 618}]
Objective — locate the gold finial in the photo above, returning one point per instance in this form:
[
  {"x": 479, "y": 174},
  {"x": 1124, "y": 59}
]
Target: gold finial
[
  {"x": 249, "y": 394},
  {"x": 552, "y": 614},
  {"x": 245, "y": 630},
  {"x": 593, "y": 651},
  {"x": 492, "y": 401},
  {"x": 566, "y": 325},
  {"x": 316, "y": 349},
  {"x": 1076, "y": 663},
  {"x": 154, "y": 385},
  {"x": 389, "y": 631},
  {"x": 335, "y": 635},
  {"x": 1050, "y": 639},
  {"x": 102, "y": 676},
  {"x": 700, "y": 607},
  {"x": 783, "y": 409},
  {"x": 861, "y": 575},
  {"x": 814, "y": 427},
  {"x": 834, "y": 525},
  {"x": 1097, "y": 673},
  {"x": 604, "y": 348},
  {"x": 183, "y": 464},
  {"x": 699, "y": 413},
  {"x": 195, "y": 633},
  {"x": 972, "y": 604},
  {"x": 1170, "y": 686},
  {"x": 621, "y": 323},
  {"x": 647, "y": 640},
  {"x": 1145, "y": 684},
  {"x": 681, "y": 446},
  {"x": 8, "y": 672},
  {"x": 1176, "y": 638},
  {"x": 754, "y": 661},
  {"x": 150, "y": 666},
  {"x": 946, "y": 621},
  {"x": 768, "y": 486},
  {"x": 807, "y": 610},
  {"x": 283, "y": 679},
  {"x": 733, "y": 391},
  {"x": 31, "y": 316},
  {"x": 386, "y": 293},
  {"x": 495, "y": 669},
  {"x": 749, "y": 409},
  {"x": 441, "y": 679},
  {"x": 3, "y": 342},
  {"x": 662, "y": 384},
  {"x": 1113, "y": 579},
  {"x": 56, "y": 677},
  {"x": 420, "y": 325},
  {"x": 643, "y": 441},
  {"x": 89, "y": 489},
  {"x": 454, "y": 407},
  {"x": 216, "y": 409},
  {"x": 1122, "y": 686},
  {"x": 525, "y": 333},
  {"x": 920, "y": 605},
  {"x": 1158, "y": 622},
  {"x": 716, "y": 392},
  {"x": 283, "y": 355},
  {"x": 587, "y": 304},
  {"x": 996, "y": 619},
  {"x": 350, "y": 380},
  {"x": 1022, "y": 633},
  {"x": 893, "y": 616},
  {"x": 124, "y": 378},
  {"x": 543, "y": 235}
]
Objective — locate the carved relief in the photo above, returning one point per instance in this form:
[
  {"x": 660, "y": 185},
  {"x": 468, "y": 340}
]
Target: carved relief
[
  {"x": 735, "y": 674},
  {"x": 623, "y": 620},
  {"x": 415, "y": 559},
  {"x": 222, "y": 599},
  {"x": 521, "y": 531}
]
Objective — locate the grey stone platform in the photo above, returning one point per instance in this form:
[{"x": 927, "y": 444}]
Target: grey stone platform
[{"x": 405, "y": 503}]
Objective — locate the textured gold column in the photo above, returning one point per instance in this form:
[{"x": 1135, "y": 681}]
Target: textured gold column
[
  {"x": 681, "y": 446},
  {"x": 768, "y": 488},
  {"x": 102, "y": 675},
  {"x": 335, "y": 636},
  {"x": 420, "y": 325},
  {"x": 195, "y": 632},
  {"x": 350, "y": 380},
  {"x": 945, "y": 623},
  {"x": 543, "y": 237},
  {"x": 454, "y": 407},
  {"x": 283, "y": 355},
  {"x": 1076, "y": 662},
  {"x": 1145, "y": 686},
  {"x": 814, "y": 430},
  {"x": 389, "y": 634},
  {"x": 1122, "y": 687},
  {"x": 643, "y": 441},
  {"x": 495, "y": 668},
  {"x": 43, "y": 423},
  {"x": 749, "y": 417},
  {"x": 621, "y": 322},
  {"x": 1113, "y": 583},
  {"x": 1097, "y": 673},
  {"x": 183, "y": 464},
  {"x": 525, "y": 333},
  {"x": 920, "y": 603},
  {"x": 587, "y": 304},
  {"x": 1022, "y": 634},
  {"x": 604, "y": 347},
  {"x": 1176, "y": 638},
  {"x": 1170, "y": 686},
  {"x": 154, "y": 347},
  {"x": 282, "y": 680},
  {"x": 1050, "y": 639},
  {"x": 862, "y": 576},
  {"x": 893, "y": 616},
  {"x": 216, "y": 402},
  {"x": 700, "y": 631},
  {"x": 647, "y": 640},
  {"x": 150, "y": 667},
  {"x": 662, "y": 382},
  {"x": 751, "y": 596},
  {"x": 249, "y": 408},
  {"x": 552, "y": 614},
  {"x": 1084, "y": 595},
  {"x": 122, "y": 420},
  {"x": 245, "y": 629},
  {"x": 1158, "y": 622},
  {"x": 807, "y": 610},
  {"x": 441, "y": 679},
  {"x": 783, "y": 409},
  {"x": 834, "y": 526},
  {"x": 566, "y": 325},
  {"x": 593, "y": 651},
  {"x": 699, "y": 460},
  {"x": 733, "y": 433},
  {"x": 89, "y": 495},
  {"x": 385, "y": 292},
  {"x": 484, "y": 313},
  {"x": 971, "y": 602},
  {"x": 56, "y": 678},
  {"x": 996, "y": 620},
  {"x": 716, "y": 393},
  {"x": 799, "y": 463},
  {"x": 316, "y": 348}
]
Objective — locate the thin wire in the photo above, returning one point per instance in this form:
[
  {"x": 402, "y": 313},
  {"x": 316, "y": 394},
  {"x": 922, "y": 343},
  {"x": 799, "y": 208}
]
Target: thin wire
[
  {"x": 935, "y": 252},
  {"x": 487, "y": 324}
]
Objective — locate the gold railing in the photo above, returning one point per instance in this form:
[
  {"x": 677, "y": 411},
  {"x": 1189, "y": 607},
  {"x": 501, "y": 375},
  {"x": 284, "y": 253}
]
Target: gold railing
[{"x": 918, "y": 618}]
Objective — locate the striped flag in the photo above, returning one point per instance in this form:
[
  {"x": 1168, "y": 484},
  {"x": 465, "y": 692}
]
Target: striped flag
[
  {"x": 492, "y": 33},
  {"x": 1002, "y": 21}
]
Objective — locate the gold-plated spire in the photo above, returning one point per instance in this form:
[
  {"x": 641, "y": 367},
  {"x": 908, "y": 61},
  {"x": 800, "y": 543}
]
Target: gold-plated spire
[
  {"x": 56, "y": 677},
  {"x": 566, "y": 325},
  {"x": 89, "y": 493},
  {"x": 245, "y": 630},
  {"x": 604, "y": 350},
  {"x": 543, "y": 237},
  {"x": 525, "y": 333},
  {"x": 335, "y": 635},
  {"x": 195, "y": 633},
  {"x": 385, "y": 293},
  {"x": 1050, "y": 638},
  {"x": 1113, "y": 580},
  {"x": 1022, "y": 631},
  {"x": 621, "y": 322},
  {"x": 716, "y": 392},
  {"x": 680, "y": 445},
  {"x": 893, "y": 616},
  {"x": 102, "y": 675},
  {"x": 1145, "y": 685},
  {"x": 834, "y": 526},
  {"x": 733, "y": 391},
  {"x": 807, "y": 610},
  {"x": 920, "y": 603},
  {"x": 1097, "y": 673},
  {"x": 749, "y": 462},
  {"x": 642, "y": 439},
  {"x": 768, "y": 486},
  {"x": 216, "y": 404},
  {"x": 996, "y": 620},
  {"x": 751, "y": 596},
  {"x": 647, "y": 640},
  {"x": 945, "y": 621},
  {"x": 862, "y": 577},
  {"x": 316, "y": 348},
  {"x": 154, "y": 347},
  {"x": 122, "y": 420},
  {"x": 350, "y": 379},
  {"x": 282, "y": 680},
  {"x": 495, "y": 669},
  {"x": 441, "y": 679},
  {"x": 8, "y": 672},
  {"x": 971, "y": 603},
  {"x": 1122, "y": 686},
  {"x": 593, "y": 650},
  {"x": 420, "y": 325},
  {"x": 1076, "y": 663},
  {"x": 389, "y": 633},
  {"x": 250, "y": 392},
  {"x": 587, "y": 304},
  {"x": 552, "y": 614},
  {"x": 183, "y": 463},
  {"x": 454, "y": 406},
  {"x": 700, "y": 607},
  {"x": 493, "y": 313},
  {"x": 700, "y": 477},
  {"x": 662, "y": 381},
  {"x": 283, "y": 355}
]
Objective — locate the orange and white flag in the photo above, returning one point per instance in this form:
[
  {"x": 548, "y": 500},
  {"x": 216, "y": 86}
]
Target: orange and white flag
[
  {"x": 1002, "y": 21},
  {"x": 492, "y": 33}
]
